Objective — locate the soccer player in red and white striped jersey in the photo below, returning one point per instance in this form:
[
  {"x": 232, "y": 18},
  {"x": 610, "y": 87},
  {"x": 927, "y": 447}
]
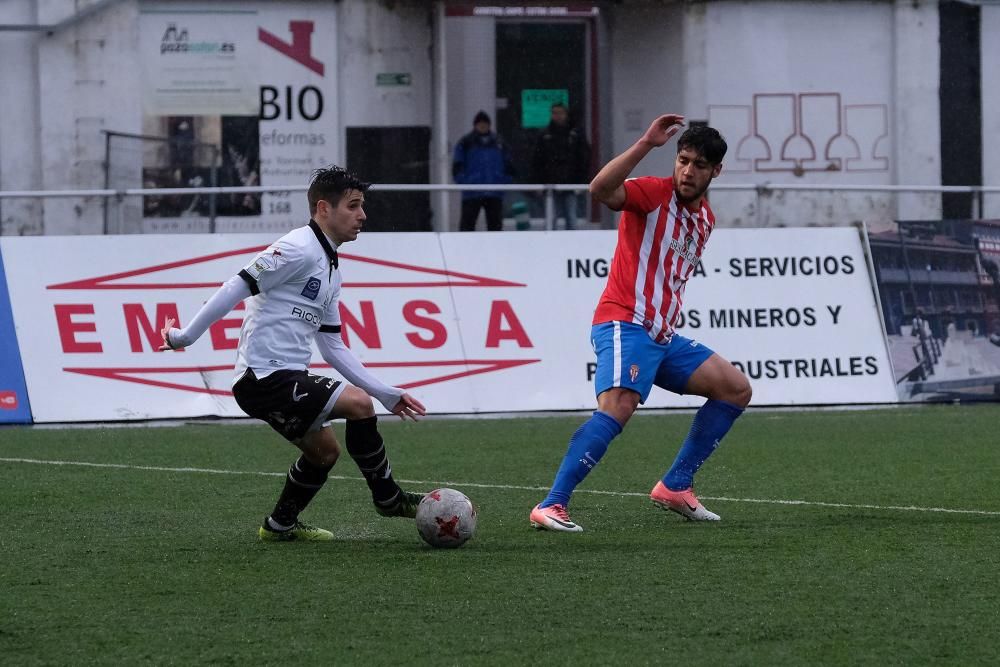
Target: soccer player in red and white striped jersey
[{"x": 664, "y": 226}]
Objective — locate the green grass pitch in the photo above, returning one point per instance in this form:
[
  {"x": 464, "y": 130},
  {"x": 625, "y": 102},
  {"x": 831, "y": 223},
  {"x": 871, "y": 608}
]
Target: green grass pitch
[{"x": 152, "y": 557}]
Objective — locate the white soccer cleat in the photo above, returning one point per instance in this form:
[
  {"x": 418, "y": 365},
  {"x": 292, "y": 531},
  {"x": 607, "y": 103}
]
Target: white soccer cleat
[
  {"x": 683, "y": 502},
  {"x": 553, "y": 517}
]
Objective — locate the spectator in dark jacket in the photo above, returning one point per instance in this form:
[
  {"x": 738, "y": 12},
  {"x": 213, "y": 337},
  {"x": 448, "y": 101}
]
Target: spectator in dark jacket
[
  {"x": 562, "y": 155},
  {"x": 481, "y": 157}
]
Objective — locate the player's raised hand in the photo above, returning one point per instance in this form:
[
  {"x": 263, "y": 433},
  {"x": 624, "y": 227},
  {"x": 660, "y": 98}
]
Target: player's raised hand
[
  {"x": 409, "y": 407},
  {"x": 165, "y": 332},
  {"x": 663, "y": 128}
]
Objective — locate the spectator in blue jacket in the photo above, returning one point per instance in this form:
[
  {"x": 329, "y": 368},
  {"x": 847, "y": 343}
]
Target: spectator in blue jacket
[{"x": 481, "y": 157}]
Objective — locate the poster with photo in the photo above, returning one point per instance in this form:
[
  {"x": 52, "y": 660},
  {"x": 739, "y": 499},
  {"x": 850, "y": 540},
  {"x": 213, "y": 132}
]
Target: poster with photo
[
  {"x": 290, "y": 130},
  {"x": 940, "y": 291}
]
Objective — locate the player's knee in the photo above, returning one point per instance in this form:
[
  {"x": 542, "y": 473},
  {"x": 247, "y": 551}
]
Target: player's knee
[
  {"x": 321, "y": 448},
  {"x": 740, "y": 391},
  {"x": 628, "y": 403},
  {"x": 354, "y": 403},
  {"x": 619, "y": 403},
  {"x": 326, "y": 455}
]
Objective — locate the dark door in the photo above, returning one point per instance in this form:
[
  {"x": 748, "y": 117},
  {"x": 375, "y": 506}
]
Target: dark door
[
  {"x": 961, "y": 105},
  {"x": 544, "y": 57},
  {"x": 393, "y": 155}
]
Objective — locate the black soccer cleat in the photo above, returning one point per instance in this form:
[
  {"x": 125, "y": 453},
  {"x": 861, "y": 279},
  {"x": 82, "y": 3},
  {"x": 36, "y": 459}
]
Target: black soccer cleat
[
  {"x": 301, "y": 531},
  {"x": 403, "y": 505}
]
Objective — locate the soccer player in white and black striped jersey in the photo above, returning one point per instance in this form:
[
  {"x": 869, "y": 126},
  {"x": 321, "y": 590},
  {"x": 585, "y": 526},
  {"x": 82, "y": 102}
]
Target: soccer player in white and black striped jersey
[{"x": 295, "y": 284}]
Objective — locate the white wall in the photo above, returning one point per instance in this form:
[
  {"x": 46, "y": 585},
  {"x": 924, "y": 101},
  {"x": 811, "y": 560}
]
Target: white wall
[
  {"x": 470, "y": 47},
  {"x": 385, "y": 37},
  {"x": 917, "y": 108},
  {"x": 471, "y": 53},
  {"x": 805, "y": 93},
  {"x": 647, "y": 75},
  {"x": 784, "y": 100},
  {"x": 61, "y": 90},
  {"x": 852, "y": 84},
  {"x": 87, "y": 83},
  {"x": 19, "y": 120}
]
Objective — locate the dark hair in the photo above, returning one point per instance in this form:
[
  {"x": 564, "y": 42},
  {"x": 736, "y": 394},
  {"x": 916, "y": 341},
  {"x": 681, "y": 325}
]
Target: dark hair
[
  {"x": 330, "y": 183},
  {"x": 705, "y": 141},
  {"x": 559, "y": 105},
  {"x": 482, "y": 116}
]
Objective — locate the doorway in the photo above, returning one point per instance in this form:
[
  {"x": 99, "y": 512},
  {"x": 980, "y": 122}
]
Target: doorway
[{"x": 538, "y": 64}]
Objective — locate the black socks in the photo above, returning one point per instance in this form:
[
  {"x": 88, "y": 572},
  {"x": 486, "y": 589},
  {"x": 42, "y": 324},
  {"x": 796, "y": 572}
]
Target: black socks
[
  {"x": 304, "y": 480},
  {"x": 364, "y": 444}
]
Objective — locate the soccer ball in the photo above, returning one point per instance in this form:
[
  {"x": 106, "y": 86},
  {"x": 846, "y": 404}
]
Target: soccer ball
[{"x": 446, "y": 518}]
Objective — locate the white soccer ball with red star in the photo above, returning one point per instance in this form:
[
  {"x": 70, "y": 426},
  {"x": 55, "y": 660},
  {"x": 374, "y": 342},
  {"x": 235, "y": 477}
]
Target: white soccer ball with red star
[{"x": 446, "y": 518}]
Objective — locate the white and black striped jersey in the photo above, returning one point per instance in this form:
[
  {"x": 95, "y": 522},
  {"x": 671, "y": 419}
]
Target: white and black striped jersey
[{"x": 295, "y": 285}]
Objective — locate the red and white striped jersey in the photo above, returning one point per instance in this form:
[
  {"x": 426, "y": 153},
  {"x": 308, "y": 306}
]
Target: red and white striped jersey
[{"x": 660, "y": 244}]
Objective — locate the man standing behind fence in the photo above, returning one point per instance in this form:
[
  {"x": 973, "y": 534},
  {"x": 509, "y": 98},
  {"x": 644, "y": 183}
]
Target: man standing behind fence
[
  {"x": 562, "y": 155},
  {"x": 481, "y": 157}
]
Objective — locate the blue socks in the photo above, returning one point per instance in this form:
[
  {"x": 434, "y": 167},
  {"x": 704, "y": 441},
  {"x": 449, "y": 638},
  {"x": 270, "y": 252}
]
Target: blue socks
[
  {"x": 586, "y": 448},
  {"x": 711, "y": 423},
  {"x": 591, "y": 440}
]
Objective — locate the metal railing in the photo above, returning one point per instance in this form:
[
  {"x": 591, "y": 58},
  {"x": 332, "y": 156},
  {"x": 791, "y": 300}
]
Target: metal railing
[{"x": 976, "y": 192}]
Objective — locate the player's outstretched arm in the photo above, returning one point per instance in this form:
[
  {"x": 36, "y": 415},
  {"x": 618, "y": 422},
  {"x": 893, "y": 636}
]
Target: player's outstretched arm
[
  {"x": 337, "y": 354},
  {"x": 224, "y": 300},
  {"x": 608, "y": 187}
]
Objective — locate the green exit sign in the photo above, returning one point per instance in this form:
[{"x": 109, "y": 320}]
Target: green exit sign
[{"x": 392, "y": 79}]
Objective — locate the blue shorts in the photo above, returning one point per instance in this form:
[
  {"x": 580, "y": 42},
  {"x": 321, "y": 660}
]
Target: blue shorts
[{"x": 627, "y": 357}]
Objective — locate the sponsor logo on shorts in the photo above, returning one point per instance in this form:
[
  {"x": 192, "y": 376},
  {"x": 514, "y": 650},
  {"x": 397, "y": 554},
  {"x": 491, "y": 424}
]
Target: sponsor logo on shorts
[
  {"x": 633, "y": 372},
  {"x": 311, "y": 290},
  {"x": 296, "y": 396}
]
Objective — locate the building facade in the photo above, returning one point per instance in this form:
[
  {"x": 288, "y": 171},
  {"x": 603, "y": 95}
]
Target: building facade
[{"x": 130, "y": 93}]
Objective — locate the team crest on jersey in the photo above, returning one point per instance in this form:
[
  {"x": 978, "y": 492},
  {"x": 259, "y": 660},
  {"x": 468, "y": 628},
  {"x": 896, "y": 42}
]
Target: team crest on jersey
[
  {"x": 311, "y": 290},
  {"x": 633, "y": 372}
]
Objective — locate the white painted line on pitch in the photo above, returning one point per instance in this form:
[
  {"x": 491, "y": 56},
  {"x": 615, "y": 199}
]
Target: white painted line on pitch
[
  {"x": 122, "y": 466},
  {"x": 509, "y": 487}
]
